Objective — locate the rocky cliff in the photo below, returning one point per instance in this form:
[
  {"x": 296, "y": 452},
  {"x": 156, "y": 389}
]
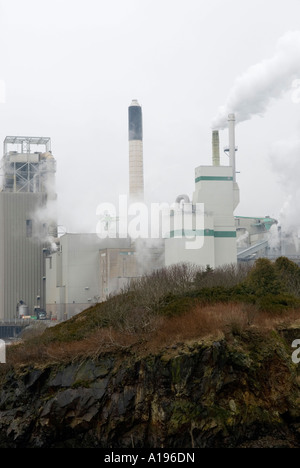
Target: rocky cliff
[{"x": 238, "y": 391}]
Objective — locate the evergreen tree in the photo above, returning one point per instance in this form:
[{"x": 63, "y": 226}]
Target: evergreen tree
[
  {"x": 289, "y": 273},
  {"x": 264, "y": 279}
]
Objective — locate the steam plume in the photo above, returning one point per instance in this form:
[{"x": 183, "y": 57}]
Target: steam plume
[
  {"x": 254, "y": 90},
  {"x": 285, "y": 160}
]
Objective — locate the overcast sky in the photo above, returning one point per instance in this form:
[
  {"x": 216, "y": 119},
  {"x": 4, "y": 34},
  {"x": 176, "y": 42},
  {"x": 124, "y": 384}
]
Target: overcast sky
[{"x": 71, "y": 69}]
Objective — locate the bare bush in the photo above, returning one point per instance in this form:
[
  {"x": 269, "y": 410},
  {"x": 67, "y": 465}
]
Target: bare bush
[
  {"x": 226, "y": 276},
  {"x": 148, "y": 290},
  {"x": 235, "y": 320},
  {"x": 141, "y": 301},
  {"x": 139, "y": 320}
]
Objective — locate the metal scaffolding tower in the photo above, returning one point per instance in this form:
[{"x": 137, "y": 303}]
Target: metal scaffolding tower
[
  {"x": 26, "y": 167},
  {"x": 28, "y": 224}
]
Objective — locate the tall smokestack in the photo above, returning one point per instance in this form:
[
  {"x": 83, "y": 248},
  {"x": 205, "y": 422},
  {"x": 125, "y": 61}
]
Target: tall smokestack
[
  {"x": 232, "y": 149},
  {"x": 136, "y": 169},
  {"x": 216, "y": 148}
]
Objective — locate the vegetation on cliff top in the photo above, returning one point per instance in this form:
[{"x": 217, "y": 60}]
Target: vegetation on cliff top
[
  {"x": 183, "y": 358},
  {"x": 171, "y": 305}
]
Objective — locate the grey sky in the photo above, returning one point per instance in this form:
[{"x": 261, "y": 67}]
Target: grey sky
[{"x": 72, "y": 67}]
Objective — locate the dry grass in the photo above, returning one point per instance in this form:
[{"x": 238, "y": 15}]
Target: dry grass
[
  {"x": 214, "y": 321},
  {"x": 101, "y": 341},
  {"x": 200, "y": 322},
  {"x": 197, "y": 323}
]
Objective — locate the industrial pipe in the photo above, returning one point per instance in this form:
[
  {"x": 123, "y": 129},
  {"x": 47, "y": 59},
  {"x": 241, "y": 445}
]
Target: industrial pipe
[{"x": 231, "y": 127}]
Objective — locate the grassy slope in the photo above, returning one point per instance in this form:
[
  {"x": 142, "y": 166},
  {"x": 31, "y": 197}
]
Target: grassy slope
[{"x": 172, "y": 305}]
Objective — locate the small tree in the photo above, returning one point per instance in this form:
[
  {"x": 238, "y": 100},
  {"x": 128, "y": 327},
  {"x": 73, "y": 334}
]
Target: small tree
[
  {"x": 226, "y": 276},
  {"x": 204, "y": 278},
  {"x": 290, "y": 274},
  {"x": 264, "y": 279},
  {"x": 285, "y": 265}
]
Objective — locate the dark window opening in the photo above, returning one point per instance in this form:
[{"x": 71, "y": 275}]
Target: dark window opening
[{"x": 29, "y": 228}]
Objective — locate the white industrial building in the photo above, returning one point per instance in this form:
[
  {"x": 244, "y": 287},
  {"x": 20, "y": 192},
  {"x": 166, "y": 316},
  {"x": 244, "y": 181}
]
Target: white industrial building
[
  {"x": 26, "y": 226},
  {"x": 85, "y": 270},
  {"x": 213, "y": 228}
]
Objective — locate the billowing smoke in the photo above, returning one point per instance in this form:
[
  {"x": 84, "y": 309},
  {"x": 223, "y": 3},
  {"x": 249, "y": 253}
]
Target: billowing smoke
[
  {"x": 243, "y": 240},
  {"x": 45, "y": 224},
  {"x": 285, "y": 161},
  {"x": 254, "y": 91}
]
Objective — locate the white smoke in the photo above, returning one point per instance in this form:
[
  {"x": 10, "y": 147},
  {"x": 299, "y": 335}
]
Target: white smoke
[
  {"x": 285, "y": 162},
  {"x": 254, "y": 91},
  {"x": 243, "y": 240},
  {"x": 149, "y": 255},
  {"x": 274, "y": 238},
  {"x": 45, "y": 224}
]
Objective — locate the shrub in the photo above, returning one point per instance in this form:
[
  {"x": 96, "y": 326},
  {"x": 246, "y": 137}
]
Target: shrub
[
  {"x": 264, "y": 279},
  {"x": 277, "y": 303},
  {"x": 149, "y": 290},
  {"x": 173, "y": 291},
  {"x": 173, "y": 305},
  {"x": 290, "y": 274},
  {"x": 226, "y": 276}
]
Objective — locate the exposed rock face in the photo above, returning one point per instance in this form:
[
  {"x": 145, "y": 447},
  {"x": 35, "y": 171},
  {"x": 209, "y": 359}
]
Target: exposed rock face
[{"x": 242, "y": 392}]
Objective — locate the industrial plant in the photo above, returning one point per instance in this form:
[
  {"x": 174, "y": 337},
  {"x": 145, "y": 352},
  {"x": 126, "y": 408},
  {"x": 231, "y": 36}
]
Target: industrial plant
[
  {"x": 46, "y": 275},
  {"x": 26, "y": 226},
  {"x": 216, "y": 189}
]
